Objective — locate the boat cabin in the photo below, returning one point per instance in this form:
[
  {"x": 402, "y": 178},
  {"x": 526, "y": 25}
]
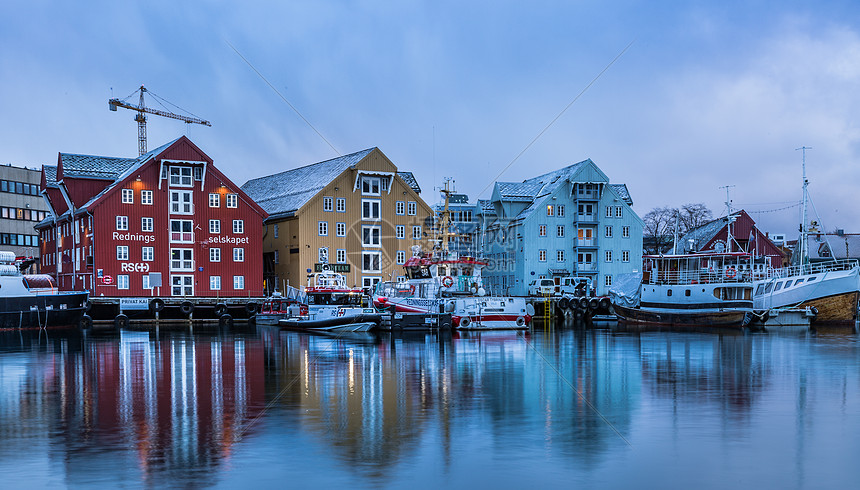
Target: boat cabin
[{"x": 330, "y": 288}]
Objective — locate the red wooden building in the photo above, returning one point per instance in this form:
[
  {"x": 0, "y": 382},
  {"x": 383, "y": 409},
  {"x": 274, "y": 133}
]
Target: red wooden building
[
  {"x": 746, "y": 237},
  {"x": 165, "y": 224}
]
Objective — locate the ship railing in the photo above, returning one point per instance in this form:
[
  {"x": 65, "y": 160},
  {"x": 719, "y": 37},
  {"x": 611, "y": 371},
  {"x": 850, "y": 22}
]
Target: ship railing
[
  {"x": 703, "y": 276},
  {"x": 813, "y": 268}
]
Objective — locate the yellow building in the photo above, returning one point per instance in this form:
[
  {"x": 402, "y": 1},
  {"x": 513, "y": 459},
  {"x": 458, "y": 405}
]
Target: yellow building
[{"x": 355, "y": 212}]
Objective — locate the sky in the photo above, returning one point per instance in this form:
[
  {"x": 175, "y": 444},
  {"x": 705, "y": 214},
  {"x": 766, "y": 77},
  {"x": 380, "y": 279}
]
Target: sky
[{"x": 675, "y": 99}]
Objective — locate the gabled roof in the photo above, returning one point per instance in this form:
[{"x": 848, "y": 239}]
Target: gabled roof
[
  {"x": 410, "y": 180},
  {"x": 282, "y": 194},
  {"x": 50, "y": 175},
  {"x": 93, "y": 166},
  {"x": 519, "y": 191},
  {"x": 623, "y": 193},
  {"x": 486, "y": 206}
]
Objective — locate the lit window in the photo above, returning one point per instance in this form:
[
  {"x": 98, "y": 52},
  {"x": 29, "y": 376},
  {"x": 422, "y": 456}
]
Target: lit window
[
  {"x": 127, "y": 196},
  {"x": 214, "y": 200},
  {"x": 549, "y": 210},
  {"x": 238, "y": 255}
]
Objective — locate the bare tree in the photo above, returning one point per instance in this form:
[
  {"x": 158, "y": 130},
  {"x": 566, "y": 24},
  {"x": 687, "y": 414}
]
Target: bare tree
[
  {"x": 660, "y": 224},
  {"x": 694, "y": 215}
]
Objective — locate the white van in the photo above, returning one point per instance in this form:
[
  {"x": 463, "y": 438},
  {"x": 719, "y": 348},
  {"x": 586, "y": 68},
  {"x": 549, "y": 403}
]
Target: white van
[
  {"x": 577, "y": 286},
  {"x": 541, "y": 287}
]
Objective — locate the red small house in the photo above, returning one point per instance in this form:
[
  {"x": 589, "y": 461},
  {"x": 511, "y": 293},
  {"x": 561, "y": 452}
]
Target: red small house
[{"x": 167, "y": 223}]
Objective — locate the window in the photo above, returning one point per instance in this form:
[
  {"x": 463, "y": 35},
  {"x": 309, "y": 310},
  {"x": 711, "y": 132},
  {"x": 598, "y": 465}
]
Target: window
[
  {"x": 412, "y": 208},
  {"x": 122, "y": 281},
  {"x": 625, "y": 232},
  {"x": 559, "y": 231},
  {"x": 607, "y": 281},
  {"x": 400, "y": 207},
  {"x": 238, "y": 226},
  {"x": 608, "y": 231},
  {"x": 215, "y": 226},
  {"x": 238, "y": 282},
  {"x": 384, "y": 184},
  {"x": 180, "y": 177},
  {"x": 608, "y": 211},
  {"x": 276, "y": 257},
  {"x": 341, "y": 205},
  {"x": 608, "y": 255},
  {"x": 416, "y": 232},
  {"x": 180, "y": 202},
  {"x": 401, "y": 257},
  {"x": 340, "y": 229},
  {"x": 122, "y": 252},
  {"x": 400, "y": 231},
  {"x": 214, "y": 255},
  {"x": 146, "y": 198},
  {"x": 542, "y": 255},
  {"x": 198, "y": 173},
  {"x": 370, "y": 261},
  {"x": 238, "y": 255},
  {"x": 215, "y": 283},
  {"x": 341, "y": 255},
  {"x": 122, "y": 222},
  {"x": 370, "y": 236},
  {"x": 181, "y": 230},
  {"x": 369, "y": 209},
  {"x": 618, "y": 211},
  {"x": 275, "y": 228},
  {"x": 542, "y": 230},
  {"x": 328, "y": 204},
  {"x": 322, "y": 255},
  {"x": 549, "y": 210},
  {"x": 370, "y": 185},
  {"x": 146, "y": 224},
  {"x": 181, "y": 259},
  {"x": 322, "y": 228},
  {"x": 145, "y": 284},
  {"x": 625, "y": 256},
  {"x": 147, "y": 254},
  {"x": 559, "y": 210},
  {"x": 559, "y": 256},
  {"x": 232, "y": 200},
  {"x": 214, "y": 200},
  {"x": 127, "y": 197},
  {"x": 182, "y": 285}
]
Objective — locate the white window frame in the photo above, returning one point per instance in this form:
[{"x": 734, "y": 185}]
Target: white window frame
[
  {"x": 340, "y": 204},
  {"x": 215, "y": 254},
  {"x": 607, "y": 255},
  {"x": 177, "y": 176},
  {"x": 374, "y": 204},
  {"x": 214, "y": 200},
  {"x": 128, "y": 197},
  {"x": 411, "y": 208},
  {"x": 607, "y": 231},
  {"x": 177, "y": 203},
  {"x": 232, "y": 200},
  {"x": 122, "y": 281},
  {"x": 214, "y": 226},
  {"x": 625, "y": 232},
  {"x": 400, "y": 232},
  {"x": 185, "y": 262},
  {"x": 122, "y": 252},
  {"x": 328, "y": 204},
  {"x": 186, "y": 284},
  {"x": 559, "y": 231},
  {"x": 147, "y": 254},
  {"x": 400, "y": 207},
  {"x": 146, "y": 197},
  {"x": 541, "y": 230},
  {"x": 147, "y": 224},
  {"x": 145, "y": 282},
  {"x": 401, "y": 257},
  {"x": 238, "y": 254},
  {"x": 619, "y": 211},
  {"x": 214, "y": 283},
  {"x": 559, "y": 255},
  {"x": 181, "y": 236},
  {"x": 607, "y": 280},
  {"x": 340, "y": 228},
  {"x": 416, "y": 232},
  {"x": 340, "y": 255},
  {"x": 238, "y": 227},
  {"x": 378, "y": 261},
  {"x": 238, "y": 283},
  {"x": 122, "y": 223},
  {"x": 367, "y": 236},
  {"x": 559, "y": 210},
  {"x": 368, "y": 183},
  {"x": 625, "y": 256},
  {"x": 541, "y": 255},
  {"x": 608, "y": 211},
  {"x": 275, "y": 230}
]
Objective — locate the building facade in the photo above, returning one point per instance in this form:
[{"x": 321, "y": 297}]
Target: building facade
[
  {"x": 167, "y": 223},
  {"x": 746, "y": 237},
  {"x": 357, "y": 213},
  {"x": 463, "y": 231},
  {"x": 570, "y": 222},
  {"x": 21, "y": 207}
]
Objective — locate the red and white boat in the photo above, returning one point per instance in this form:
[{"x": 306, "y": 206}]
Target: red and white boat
[{"x": 326, "y": 295}]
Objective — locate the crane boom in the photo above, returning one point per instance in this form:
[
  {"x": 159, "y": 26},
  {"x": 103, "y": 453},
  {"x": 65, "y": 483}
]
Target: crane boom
[{"x": 141, "y": 119}]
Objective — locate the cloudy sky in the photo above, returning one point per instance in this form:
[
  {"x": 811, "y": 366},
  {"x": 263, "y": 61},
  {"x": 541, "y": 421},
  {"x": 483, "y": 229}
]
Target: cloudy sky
[{"x": 708, "y": 94}]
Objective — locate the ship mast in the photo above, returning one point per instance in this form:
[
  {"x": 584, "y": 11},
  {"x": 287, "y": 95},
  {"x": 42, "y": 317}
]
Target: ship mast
[
  {"x": 803, "y": 230},
  {"x": 446, "y": 215},
  {"x": 729, "y": 237}
]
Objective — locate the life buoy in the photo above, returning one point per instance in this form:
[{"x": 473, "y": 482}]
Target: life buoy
[
  {"x": 447, "y": 281},
  {"x": 465, "y": 321},
  {"x": 731, "y": 272},
  {"x": 521, "y": 321}
]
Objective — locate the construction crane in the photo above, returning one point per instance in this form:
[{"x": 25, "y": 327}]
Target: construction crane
[{"x": 142, "y": 109}]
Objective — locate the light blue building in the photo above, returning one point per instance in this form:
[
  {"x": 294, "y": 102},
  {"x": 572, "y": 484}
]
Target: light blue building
[
  {"x": 464, "y": 226},
  {"x": 570, "y": 222}
]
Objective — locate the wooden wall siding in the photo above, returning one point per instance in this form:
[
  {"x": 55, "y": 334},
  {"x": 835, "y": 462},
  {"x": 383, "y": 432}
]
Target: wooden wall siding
[
  {"x": 103, "y": 240},
  {"x": 302, "y": 231},
  {"x": 82, "y": 190},
  {"x": 57, "y": 201}
]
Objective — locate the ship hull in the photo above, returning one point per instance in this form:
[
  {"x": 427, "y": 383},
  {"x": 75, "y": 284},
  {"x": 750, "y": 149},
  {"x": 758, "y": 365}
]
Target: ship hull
[
  {"x": 43, "y": 310},
  {"x": 684, "y": 318}
]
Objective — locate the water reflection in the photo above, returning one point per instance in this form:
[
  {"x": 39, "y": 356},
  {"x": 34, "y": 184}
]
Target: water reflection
[{"x": 178, "y": 408}]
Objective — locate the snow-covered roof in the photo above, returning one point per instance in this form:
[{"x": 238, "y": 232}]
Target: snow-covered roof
[
  {"x": 410, "y": 180},
  {"x": 282, "y": 194}
]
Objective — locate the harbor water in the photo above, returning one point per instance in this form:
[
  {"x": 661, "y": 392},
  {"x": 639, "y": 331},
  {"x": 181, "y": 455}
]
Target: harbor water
[{"x": 553, "y": 407}]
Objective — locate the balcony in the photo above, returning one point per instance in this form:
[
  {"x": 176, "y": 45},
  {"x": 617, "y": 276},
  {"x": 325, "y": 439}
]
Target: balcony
[
  {"x": 587, "y": 195},
  {"x": 588, "y": 218},
  {"x": 586, "y": 242},
  {"x": 586, "y": 267}
]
